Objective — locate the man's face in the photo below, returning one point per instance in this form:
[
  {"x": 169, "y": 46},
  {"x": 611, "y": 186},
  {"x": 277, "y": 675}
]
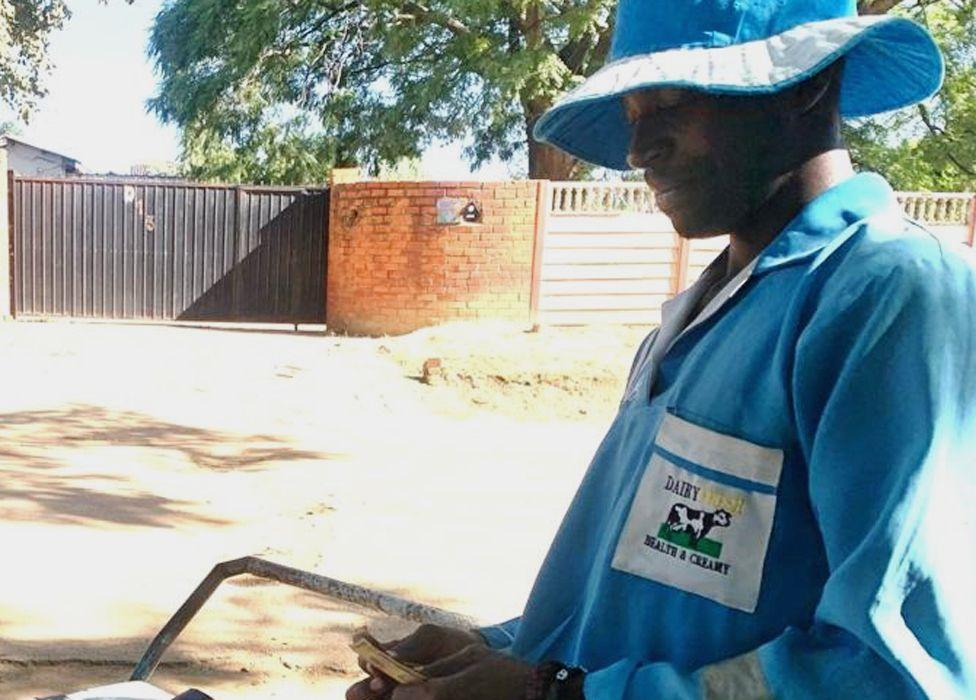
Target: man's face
[{"x": 710, "y": 159}]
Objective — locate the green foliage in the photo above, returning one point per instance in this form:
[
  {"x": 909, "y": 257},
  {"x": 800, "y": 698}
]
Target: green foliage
[
  {"x": 25, "y": 29},
  {"x": 250, "y": 82},
  {"x": 25, "y": 26},
  {"x": 8, "y": 128},
  {"x": 404, "y": 169},
  {"x": 932, "y": 146},
  {"x": 279, "y": 92},
  {"x": 286, "y": 152}
]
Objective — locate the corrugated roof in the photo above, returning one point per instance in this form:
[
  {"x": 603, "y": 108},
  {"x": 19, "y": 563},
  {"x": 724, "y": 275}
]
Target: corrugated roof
[{"x": 14, "y": 139}]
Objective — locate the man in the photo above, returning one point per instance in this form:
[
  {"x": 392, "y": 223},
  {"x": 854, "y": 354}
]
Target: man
[{"x": 783, "y": 506}]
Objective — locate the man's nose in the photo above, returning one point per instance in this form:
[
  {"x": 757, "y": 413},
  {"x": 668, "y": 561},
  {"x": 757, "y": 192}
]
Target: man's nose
[{"x": 648, "y": 148}]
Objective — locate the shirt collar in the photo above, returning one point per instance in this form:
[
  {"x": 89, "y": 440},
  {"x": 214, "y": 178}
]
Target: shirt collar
[{"x": 827, "y": 217}]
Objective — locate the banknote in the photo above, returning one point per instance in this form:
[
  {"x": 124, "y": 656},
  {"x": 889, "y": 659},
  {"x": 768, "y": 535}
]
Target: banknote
[{"x": 370, "y": 651}]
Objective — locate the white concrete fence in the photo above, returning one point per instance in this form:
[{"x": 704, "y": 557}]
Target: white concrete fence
[{"x": 610, "y": 256}]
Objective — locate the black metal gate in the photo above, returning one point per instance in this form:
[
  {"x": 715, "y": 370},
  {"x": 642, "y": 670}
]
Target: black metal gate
[{"x": 139, "y": 249}]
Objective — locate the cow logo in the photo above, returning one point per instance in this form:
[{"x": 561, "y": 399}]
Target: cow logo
[
  {"x": 689, "y": 528},
  {"x": 687, "y": 533}
]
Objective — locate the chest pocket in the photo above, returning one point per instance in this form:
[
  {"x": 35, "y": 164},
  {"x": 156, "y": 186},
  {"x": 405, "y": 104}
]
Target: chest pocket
[{"x": 702, "y": 515}]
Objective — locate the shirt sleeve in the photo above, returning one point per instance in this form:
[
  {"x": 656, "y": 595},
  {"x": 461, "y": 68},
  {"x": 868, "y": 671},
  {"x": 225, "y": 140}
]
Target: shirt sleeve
[
  {"x": 884, "y": 395},
  {"x": 502, "y": 635}
]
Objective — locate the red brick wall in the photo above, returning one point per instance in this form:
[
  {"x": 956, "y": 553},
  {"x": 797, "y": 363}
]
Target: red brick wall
[{"x": 393, "y": 269}]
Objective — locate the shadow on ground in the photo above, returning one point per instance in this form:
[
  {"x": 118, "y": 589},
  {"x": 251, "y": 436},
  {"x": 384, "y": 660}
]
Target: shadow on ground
[
  {"x": 246, "y": 640},
  {"x": 30, "y": 679},
  {"x": 59, "y": 492}
]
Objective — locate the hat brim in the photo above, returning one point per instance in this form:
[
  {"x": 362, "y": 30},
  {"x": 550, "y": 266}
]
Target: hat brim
[{"x": 890, "y": 63}]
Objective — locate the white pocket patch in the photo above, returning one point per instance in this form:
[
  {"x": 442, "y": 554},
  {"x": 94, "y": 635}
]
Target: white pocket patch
[{"x": 697, "y": 534}]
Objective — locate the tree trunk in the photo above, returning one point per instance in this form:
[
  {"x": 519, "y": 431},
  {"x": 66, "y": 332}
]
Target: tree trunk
[
  {"x": 549, "y": 163},
  {"x": 545, "y": 162}
]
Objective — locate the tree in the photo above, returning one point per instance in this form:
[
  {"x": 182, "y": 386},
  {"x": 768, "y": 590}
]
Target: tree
[
  {"x": 368, "y": 81},
  {"x": 25, "y": 30},
  {"x": 269, "y": 91},
  {"x": 932, "y": 146},
  {"x": 25, "y": 26}
]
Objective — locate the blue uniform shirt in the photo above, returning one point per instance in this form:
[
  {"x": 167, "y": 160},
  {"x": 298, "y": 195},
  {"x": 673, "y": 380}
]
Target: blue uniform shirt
[{"x": 784, "y": 504}]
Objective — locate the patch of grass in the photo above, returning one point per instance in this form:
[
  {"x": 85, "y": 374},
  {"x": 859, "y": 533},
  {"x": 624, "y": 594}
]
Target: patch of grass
[{"x": 706, "y": 546}]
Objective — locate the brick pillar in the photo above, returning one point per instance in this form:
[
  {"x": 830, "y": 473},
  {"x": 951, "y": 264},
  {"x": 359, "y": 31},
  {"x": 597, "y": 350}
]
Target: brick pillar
[{"x": 394, "y": 268}]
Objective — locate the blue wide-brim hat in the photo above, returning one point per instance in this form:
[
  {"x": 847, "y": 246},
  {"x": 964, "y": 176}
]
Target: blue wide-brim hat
[{"x": 741, "y": 47}]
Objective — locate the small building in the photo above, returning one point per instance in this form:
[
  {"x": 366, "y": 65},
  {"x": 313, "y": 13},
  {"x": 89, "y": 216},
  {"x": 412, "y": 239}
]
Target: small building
[{"x": 26, "y": 159}]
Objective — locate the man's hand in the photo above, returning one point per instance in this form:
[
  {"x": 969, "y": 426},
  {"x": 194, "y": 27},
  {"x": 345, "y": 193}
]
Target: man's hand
[
  {"x": 427, "y": 644},
  {"x": 474, "y": 673}
]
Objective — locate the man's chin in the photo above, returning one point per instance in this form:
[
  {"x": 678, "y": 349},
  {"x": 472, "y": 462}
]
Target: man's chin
[{"x": 688, "y": 227}]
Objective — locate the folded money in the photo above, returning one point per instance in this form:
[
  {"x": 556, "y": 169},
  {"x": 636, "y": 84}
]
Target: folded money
[{"x": 376, "y": 656}]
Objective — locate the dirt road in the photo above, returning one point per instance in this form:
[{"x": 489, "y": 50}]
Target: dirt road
[{"x": 133, "y": 458}]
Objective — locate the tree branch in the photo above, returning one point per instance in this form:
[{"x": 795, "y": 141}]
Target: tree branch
[
  {"x": 876, "y": 7},
  {"x": 453, "y": 25},
  {"x": 958, "y": 164},
  {"x": 530, "y": 27},
  {"x": 600, "y": 51},
  {"x": 940, "y": 133},
  {"x": 927, "y": 120},
  {"x": 881, "y": 7},
  {"x": 323, "y": 20},
  {"x": 573, "y": 53},
  {"x": 513, "y": 36}
]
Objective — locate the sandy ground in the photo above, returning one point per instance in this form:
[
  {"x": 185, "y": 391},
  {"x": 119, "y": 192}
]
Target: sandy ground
[{"x": 133, "y": 458}]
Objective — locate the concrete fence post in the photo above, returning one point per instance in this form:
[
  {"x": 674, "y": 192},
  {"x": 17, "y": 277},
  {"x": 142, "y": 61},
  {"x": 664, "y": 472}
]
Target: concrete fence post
[
  {"x": 971, "y": 234},
  {"x": 682, "y": 265},
  {"x": 5, "y": 226},
  {"x": 542, "y": 203}
]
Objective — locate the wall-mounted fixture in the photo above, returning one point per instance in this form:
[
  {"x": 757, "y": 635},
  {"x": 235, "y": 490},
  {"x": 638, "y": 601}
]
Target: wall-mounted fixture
[
  {"x": 471, "y": 213},
  {"x": 452, "y": 210},
  {"x": 350, "y": 218}
]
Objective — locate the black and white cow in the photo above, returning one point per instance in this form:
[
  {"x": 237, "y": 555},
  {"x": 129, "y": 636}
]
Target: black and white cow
[{"x": 696, "y": 523}]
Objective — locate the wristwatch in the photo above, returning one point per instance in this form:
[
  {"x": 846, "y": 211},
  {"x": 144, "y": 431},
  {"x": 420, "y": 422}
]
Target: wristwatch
[{"x": 553, "y": 680}]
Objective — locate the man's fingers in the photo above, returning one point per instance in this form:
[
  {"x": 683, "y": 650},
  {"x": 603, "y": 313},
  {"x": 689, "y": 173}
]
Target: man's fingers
[
  {"x": 369, "y": 669},
  {"x": 412, "y": 650},
  {"x": 362, "y": 691},
  {"x": 416, "y": 691},
  {"x": 386, "y": 646},
  {"x": 380, "y": 685},
  {"x": 431, "y": 642},
  {"x": 376, "y": 687},
  {"x": 455, "y": 663},
  {"x": 420, "y": 647}
]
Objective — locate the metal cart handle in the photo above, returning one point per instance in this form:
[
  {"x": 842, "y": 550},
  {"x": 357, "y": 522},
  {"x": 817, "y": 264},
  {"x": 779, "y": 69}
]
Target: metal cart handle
[{"x": 323, "y": 585}]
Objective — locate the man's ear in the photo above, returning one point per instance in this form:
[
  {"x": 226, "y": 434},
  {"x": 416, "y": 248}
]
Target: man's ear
[{"x": 814, "y": 93}]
